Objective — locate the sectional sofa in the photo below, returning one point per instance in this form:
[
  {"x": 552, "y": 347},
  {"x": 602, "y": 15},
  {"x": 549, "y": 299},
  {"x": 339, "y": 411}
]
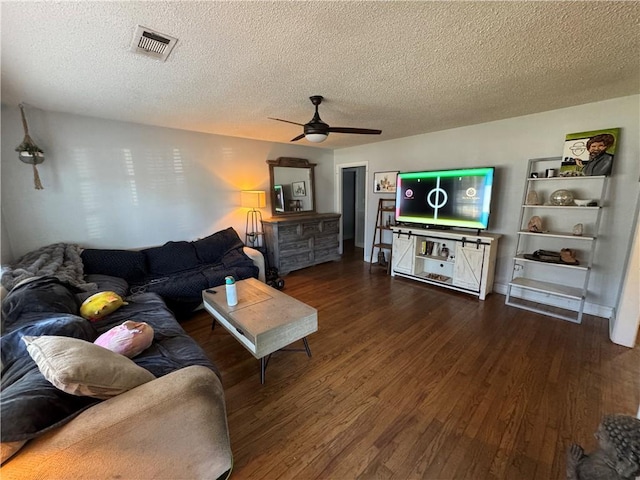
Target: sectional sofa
[{"x": 170, "y": 424}]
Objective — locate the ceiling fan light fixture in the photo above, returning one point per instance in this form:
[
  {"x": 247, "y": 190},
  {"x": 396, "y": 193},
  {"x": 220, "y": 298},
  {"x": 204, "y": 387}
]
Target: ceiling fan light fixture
[
  {"x": 316, "y": 137},
  {"x": 317, "y": 131}
]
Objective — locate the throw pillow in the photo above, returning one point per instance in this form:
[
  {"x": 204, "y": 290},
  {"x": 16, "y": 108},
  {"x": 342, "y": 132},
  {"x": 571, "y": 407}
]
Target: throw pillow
[
  {"x": 128, "y": 339},
  {"x": 100, "y": 305},
  {"x": 81, "y": 368}
]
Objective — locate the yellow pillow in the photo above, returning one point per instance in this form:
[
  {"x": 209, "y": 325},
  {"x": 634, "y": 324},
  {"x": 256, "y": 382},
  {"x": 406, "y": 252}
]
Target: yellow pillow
[{"x": 100, "y": 305}]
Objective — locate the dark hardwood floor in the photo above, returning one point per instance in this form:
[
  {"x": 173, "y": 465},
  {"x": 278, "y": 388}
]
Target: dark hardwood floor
[{"x": 413, "y": 381}]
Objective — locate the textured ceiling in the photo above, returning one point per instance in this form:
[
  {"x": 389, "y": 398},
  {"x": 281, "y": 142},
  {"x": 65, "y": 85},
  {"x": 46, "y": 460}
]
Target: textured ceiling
[{"x": 403, "y": 67}]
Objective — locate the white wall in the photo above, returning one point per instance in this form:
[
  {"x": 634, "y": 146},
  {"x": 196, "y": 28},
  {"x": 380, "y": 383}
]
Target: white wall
[
  {"x": 507, "y": 145},
  {"x": 120, "y": 185},
  {"x": 624, "y": 327},
  {"x": 6, "y": 252}
]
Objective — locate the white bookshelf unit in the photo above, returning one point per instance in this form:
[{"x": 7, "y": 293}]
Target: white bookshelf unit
[
  {"x": 556, "y": 289},
  {"x": 468, "y": 266}
]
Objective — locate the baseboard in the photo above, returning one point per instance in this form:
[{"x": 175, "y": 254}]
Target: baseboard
[{"x": 589, "y": 308}]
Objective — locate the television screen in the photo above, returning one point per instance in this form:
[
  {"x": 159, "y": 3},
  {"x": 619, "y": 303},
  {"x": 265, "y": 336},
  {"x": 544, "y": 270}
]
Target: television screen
[{"x": 445, "y": 198}]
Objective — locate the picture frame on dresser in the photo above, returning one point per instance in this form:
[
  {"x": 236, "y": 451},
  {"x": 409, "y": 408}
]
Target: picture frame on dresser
[{"x": 298, "y": 189}]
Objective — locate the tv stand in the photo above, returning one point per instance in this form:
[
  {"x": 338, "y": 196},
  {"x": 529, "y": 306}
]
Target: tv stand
[{"x": 468, "y": 266}]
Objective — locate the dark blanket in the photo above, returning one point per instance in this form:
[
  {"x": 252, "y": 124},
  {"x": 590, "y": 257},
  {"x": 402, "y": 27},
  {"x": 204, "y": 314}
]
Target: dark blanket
[
  {"x": 177, "y": 271},
  {"x": 29, "y": 404}
]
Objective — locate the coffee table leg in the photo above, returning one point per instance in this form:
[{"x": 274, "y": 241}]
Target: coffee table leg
[
  {"x": 264, "y": 361},
  {"x": 306, "y": 346}
]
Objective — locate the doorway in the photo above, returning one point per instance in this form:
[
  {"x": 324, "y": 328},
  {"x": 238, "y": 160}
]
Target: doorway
[{"x": 352, "y": 198}]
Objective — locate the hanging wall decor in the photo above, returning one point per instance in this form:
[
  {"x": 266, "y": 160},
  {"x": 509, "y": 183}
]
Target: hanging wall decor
[{"x": 29, "y": 152}]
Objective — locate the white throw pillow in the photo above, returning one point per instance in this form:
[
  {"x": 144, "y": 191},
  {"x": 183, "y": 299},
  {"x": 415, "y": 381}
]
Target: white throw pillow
[{"x": 81, "y": 368}]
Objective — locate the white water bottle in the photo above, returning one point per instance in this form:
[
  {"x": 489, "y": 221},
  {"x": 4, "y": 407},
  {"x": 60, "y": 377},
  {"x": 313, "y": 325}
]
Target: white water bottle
[{"x": 232, "y": 293}]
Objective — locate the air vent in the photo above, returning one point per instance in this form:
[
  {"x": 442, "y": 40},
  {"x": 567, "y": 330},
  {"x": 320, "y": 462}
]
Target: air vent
[{"x": 151, "y": 43}]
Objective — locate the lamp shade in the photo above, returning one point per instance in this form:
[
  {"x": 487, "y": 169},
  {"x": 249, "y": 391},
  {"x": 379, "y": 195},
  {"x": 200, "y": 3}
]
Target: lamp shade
[
  {"x": 253, "y": 198},
  {"x": 316, "y": 137}
]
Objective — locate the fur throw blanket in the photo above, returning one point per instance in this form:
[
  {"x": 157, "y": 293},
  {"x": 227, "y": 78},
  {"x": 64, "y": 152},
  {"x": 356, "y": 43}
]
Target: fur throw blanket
[{"x": 60, "y": 260}]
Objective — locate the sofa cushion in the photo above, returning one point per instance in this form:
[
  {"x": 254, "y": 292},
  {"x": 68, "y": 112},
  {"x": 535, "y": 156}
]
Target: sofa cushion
[
  {"x": 106, "y": 283},
  {"x": 128, "y": 264},
  {"x": 36, "y": 295},
  {"x": 212, "y": 248},
  {"x": 172, "y": 257},
  {"x": 29, "y": 404},
  {"x": 82, "y": 368},
  {"x": 172, "y": 428}
]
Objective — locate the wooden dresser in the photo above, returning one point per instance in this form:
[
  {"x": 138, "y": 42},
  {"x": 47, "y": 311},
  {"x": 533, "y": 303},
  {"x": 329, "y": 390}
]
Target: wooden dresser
[{"x": 298, "y": 241}]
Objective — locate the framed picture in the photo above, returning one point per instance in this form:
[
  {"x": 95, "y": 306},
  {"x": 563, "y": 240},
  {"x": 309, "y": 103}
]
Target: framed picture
[
  {"x": 299, "y": 189},
  {"x": 279, "y": 198},
  {"x": 384, "y": 182},
  {"x": 589, "y": 153}
]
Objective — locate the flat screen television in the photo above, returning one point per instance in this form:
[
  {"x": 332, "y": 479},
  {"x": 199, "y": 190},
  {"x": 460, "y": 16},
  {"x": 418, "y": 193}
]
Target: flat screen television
[{"x": 445, "y": 198}]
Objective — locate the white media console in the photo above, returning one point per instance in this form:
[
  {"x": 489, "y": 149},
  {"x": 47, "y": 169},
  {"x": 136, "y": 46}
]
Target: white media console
[{"x": 468, "y": 266}]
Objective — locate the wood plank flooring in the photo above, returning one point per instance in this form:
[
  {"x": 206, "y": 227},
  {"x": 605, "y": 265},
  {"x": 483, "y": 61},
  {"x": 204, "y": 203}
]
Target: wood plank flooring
[{"x": 413, "y": 381}]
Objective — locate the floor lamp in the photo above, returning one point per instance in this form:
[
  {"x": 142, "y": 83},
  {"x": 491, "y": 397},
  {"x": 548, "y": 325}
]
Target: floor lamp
[{"x": 253, "y": 230}]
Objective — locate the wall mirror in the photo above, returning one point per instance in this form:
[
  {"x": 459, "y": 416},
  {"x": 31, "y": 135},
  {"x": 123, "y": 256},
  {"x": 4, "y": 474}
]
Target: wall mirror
[{"x": 292, "y": 186}]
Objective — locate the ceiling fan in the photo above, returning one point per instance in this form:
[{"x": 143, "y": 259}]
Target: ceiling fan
[{"x": 317, "y": 131}]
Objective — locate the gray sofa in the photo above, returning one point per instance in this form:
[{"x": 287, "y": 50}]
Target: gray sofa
[{"x": 172, "y": 427}]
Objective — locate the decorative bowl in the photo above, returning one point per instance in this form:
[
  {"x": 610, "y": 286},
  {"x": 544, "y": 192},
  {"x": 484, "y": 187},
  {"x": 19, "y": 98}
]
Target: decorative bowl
[
  {"x": 582, "y": 202},
  {"x": 561, "y": 198}
]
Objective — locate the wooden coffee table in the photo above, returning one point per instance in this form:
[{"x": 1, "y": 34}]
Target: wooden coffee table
[{"x": 264, "y": 320}]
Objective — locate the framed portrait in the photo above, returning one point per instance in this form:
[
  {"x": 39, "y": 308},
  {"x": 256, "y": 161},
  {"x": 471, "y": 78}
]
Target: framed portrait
[
  {"x": 279, "y": 198},
  {"x": 299, "y": 189},
  {"x": 384, "y": 182},
  {"x": 589, "y": 153}
]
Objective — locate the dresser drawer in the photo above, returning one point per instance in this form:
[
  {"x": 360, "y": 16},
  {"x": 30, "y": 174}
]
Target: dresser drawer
[
  {"x": 326, "y": 254},
  {"x": 295, "y": 261},
  {"x": 289, "y": 233},
  {"x": 293, "y": 247},
  {"x": 326, "y": 241},
  {"x": 310, "y": 229},
  {"x": 330, "y": 226}
]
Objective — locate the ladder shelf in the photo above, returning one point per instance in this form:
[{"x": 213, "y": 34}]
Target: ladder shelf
[
  {"x": 529, "y": 287},
  {"x": 384, "y": 219}
]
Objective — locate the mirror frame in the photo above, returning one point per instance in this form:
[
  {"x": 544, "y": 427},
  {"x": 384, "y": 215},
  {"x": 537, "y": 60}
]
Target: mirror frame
[{"x": 292, "y": 163}]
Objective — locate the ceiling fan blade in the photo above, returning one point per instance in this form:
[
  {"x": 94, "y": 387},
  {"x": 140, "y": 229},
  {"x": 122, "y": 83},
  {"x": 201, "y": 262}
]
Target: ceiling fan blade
[
  {"x": 298, "y": 137},
  {"x": 286, "y": 121},
  {"x": 364, "y": 131}
]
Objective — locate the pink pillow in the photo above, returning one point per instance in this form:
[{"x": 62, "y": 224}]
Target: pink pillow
[{"x": 128, "y": 339}]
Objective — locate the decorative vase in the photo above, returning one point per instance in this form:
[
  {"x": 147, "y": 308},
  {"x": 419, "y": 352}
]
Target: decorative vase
[
  {"x": 577, "y": 229},
  {"x": 535, "y": 224},
  {"x": 561, "y": 198},
  {"x": 533, "y": 198}
]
